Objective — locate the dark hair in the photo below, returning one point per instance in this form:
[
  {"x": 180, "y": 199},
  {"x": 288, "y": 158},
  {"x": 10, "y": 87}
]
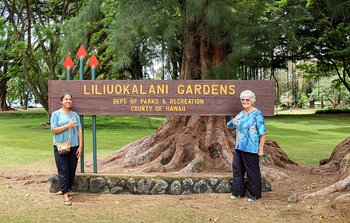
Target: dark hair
[{"x": 65, "y": 94}]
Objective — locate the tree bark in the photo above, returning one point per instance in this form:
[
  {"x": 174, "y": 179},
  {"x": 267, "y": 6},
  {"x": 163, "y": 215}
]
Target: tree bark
[
  {"x": 277, "y": 86},
  {"x": 3, "y": 91},
  {"x": 339, "y": 161},
  {"x": 135, "y": 68},
  {"x": 181, "y": 144},
  {"x": 312, "y": 104},
  {"x": 24, "y": 100},
  {"x": 186, "y": 144},
  {"x": 191, "y": 58},
  {"x": 341, "y": 185}
]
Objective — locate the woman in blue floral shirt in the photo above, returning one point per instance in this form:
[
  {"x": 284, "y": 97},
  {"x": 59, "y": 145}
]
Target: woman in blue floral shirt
[{"x": 250, "y": 140}]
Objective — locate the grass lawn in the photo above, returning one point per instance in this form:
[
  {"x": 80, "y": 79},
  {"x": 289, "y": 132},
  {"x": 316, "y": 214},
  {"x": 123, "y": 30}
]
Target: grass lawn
[
  {"x": 308, "y": 138},
  {"x": 25, "y": 138},
  {"x": 297, "y": 111}
]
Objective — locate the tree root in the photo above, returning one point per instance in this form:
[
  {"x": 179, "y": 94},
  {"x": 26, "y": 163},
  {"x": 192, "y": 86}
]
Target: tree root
[
  {"x": 184, "y": 144},
  {"x": 338, "y": 163},
  {"x": 181, "y": 144},
  {"x": 341, "y": 185},
  {"x": 273, "y": 174}
]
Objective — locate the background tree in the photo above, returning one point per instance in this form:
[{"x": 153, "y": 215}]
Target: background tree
[
  {"x": 128, "y": 48},
  {"x": 36, "y": 26},
  {"x": 331, "y": 49},
  {"x": 19, "y": 93},
  {"x": 328, "y": 34},
  {"x": 209, "y": 35},
  {"x": 6, "y": 60}
]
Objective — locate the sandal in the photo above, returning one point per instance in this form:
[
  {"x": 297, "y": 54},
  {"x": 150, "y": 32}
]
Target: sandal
[
  {"x": 67, "y": 199},
  {"x": 67, "y": 202}
]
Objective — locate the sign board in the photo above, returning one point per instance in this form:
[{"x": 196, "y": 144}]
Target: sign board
[{"x": 160, "y": 97}]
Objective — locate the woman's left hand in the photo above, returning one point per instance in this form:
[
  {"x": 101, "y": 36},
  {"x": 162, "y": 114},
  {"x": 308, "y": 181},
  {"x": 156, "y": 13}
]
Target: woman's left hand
[
  {"x": 79, "y": 151},
  {"x": 261, "y": 151}
]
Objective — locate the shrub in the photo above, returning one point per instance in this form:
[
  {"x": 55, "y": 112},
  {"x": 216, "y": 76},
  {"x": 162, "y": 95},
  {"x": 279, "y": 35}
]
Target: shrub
[{"x": 333, "y": 111}]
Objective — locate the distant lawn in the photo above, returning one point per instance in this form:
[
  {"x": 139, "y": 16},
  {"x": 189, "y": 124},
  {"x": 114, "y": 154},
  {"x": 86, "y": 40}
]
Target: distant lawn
[
  {"x": 308, "y": 138},
  {"x": 298, "y": 111},
  {"x": 25, "y": 138}
]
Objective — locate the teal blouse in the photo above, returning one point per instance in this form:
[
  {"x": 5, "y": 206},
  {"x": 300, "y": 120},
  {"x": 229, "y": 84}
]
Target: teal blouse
[
  {"x": 59, "y": 119},
  {"x": 248, "y": 130}
]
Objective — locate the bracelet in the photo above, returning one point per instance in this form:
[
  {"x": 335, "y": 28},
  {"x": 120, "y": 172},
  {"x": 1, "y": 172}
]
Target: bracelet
[{"x": 261, "y": 147}]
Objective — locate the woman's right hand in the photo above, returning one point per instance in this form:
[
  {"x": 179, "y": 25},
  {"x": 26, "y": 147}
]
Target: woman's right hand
[{"x": 71, "y": 123}]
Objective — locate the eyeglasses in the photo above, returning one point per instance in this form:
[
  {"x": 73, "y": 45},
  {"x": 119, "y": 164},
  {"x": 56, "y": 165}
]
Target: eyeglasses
[{"x": 245, "y": 99}]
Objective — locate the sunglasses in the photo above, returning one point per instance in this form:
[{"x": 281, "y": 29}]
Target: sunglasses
[{"x": 245, "y": 99}]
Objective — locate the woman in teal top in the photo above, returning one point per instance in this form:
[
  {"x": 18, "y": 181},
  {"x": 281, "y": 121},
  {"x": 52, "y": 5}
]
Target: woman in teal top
[
  {"x": 250, "y": 140},
  {"x": 66, "y": 123}
]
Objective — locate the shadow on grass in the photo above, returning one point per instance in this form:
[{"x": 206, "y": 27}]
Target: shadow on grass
[{"x": 336, "y": 130}]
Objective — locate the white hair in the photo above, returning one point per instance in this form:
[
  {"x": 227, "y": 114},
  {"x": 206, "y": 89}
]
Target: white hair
[{"x": 249, "y": 94}]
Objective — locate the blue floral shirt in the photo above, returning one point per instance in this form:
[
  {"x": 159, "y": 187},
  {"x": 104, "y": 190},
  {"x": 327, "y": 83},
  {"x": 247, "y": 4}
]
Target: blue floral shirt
[
  {"x": 248, "y": 130},
  {"x": 59, "y": 119}
]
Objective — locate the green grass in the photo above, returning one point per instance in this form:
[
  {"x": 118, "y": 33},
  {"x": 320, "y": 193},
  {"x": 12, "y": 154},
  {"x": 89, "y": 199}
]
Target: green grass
[
  {"x": 308, "y": 138},
  {"x": 25, "y": 138},
  {"x": 113, "y": 132}
]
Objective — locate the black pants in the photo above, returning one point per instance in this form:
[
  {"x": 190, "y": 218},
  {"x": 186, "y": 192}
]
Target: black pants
[
  {"x": 66, "y": 166},
  {"x": 246, "y": 162}
]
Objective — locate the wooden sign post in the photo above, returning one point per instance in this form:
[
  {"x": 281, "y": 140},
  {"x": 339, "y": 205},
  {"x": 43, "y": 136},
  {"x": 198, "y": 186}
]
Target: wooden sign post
[
  {"x": 81, "y": 54},
  {"x": 93, "y": 62}
]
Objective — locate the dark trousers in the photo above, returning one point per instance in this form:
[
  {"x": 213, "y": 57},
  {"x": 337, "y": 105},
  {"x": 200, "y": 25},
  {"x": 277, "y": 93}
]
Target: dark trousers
[
  {"x": 66, "y": 166},
  {"x": 246, "y": 162}
]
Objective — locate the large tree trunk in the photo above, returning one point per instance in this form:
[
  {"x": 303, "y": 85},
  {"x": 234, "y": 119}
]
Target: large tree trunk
[
  {"x": 182, "y": 143},
  {"x": 187, "y": 143},
  {"x": 192, "y": 65}
]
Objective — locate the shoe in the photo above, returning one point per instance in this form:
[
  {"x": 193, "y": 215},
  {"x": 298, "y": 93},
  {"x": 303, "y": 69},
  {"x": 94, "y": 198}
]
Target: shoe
[
  {"x": 232, "y": 197},
  {"x": 251, "y": 200}
]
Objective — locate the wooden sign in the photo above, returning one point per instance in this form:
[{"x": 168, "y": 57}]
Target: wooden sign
[{"x": 156, "y": 97}]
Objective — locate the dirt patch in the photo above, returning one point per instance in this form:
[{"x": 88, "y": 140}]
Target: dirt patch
[{"x": 25, "y": 197}]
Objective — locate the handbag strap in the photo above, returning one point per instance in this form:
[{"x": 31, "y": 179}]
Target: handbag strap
[{"x": 69, "y": 127}]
